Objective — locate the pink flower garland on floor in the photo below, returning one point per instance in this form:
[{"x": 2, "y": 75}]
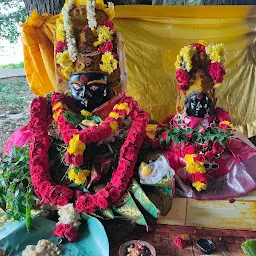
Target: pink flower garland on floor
[{"x": 60, "y": 195}]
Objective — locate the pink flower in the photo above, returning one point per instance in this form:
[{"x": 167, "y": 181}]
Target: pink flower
[
  {"x": 217, "y": 72},
  {"x": 182, "y": 76},
  {"x": 114, "y": 194},
  {"x": 71, "y": 233},
  {"x": 189, "y": 135},
  {"x": 106, "y": 47},
  {"x": 102, "y": 202},
  {"x": 61, "y": 46},
  {"x": 199, "y": 47},
  {"x": 179, "y": 242},
  {"x": 222, "y": 115},
  {"x": 199, "y": 158},
  {"x": 189, "y": 150},
  {"x": 201, "y": 177},
  {"x": 164, "y": 135},
  {"x": 109, "y": 24},
  {"x": 202, "y": 130}
]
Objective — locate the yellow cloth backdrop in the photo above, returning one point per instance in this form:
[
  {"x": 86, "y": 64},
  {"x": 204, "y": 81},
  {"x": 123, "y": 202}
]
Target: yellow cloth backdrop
[{"x": 153, "y": 37}]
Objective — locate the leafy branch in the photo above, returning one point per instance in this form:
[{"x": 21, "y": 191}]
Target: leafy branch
[{"x": 17, "y": 196}]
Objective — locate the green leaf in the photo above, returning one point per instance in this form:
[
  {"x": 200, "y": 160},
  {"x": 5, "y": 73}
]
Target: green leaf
[{"x": 168, "y": 140}]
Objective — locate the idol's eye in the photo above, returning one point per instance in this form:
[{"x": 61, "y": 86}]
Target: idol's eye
[
  {"x": 94, "y": 88},
  {"x": 77, "y": 87}
]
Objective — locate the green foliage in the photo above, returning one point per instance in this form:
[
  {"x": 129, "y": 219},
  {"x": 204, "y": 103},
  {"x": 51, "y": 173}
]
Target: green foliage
[
  {"x": 12, "y": 15},
  {"x": 76, "y": 119},
  {"x": 10, "y": 93},
  {"x": 12, "y": 65},
  {"x": 17, "y": 196},
  {"x": 189, "y": 135},
  {"x": 249, "y": 247}
]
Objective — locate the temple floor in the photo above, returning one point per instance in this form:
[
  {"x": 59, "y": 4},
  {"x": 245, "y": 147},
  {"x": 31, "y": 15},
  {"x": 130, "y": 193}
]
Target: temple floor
[{"x": 228, "y": 242}]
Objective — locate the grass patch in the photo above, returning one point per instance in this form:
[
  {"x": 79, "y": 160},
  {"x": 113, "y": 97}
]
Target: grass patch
[
  {"x": 12, "y": 93},
  {"x": 12, "y": 65}
]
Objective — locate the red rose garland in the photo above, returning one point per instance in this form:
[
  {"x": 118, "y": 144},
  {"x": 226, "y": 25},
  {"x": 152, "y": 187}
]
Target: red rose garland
[
  {"x": 121, "y": 177},
  {"x": 39, "y": 167},
  {"x": 39, "y": 162}
]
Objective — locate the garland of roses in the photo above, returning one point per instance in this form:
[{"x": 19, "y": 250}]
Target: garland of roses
[
  {"x": 39, "y": 166},
  {"x": 183, "y": 64},
  {"x": 39, "y": 161},
  {"x": 190, "y": 145}
]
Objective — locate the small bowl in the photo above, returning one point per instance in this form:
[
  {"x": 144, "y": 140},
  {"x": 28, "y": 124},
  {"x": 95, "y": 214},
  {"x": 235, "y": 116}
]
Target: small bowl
[
  {"x": 123, "y": 247},
  {"x": 206, "y": 245}
]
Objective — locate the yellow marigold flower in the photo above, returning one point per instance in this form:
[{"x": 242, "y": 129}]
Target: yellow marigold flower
[
  {"x": 85, "y": 113},
  {"x": 189, "y": 158},
  {"x": 122, "y": 106},
  {"x": 228, "y": 124},
  {"x": 60, "y": 32},
  {"x": 199, "y": 186},
  {"x": 80, "y": 2},
  {"x": 79, "y": 177},
  {"x": 216, "y": 52},
  {"x": 114, "y": 115},
  {"x": 184, "y": 58},
  {"x": 203, "y": 42},
  {"x": 100, "y": 4},
  {"x": 56, "y": 114},
  {"x": 109, "y": 63},
  {"x": 195, "y": 168},
  {"x": 63, "y": 59},
  {"x": 76, "y": 147},
  {"x": 104, "y": 34},
  {"x": 67, "y": 71},
  {"x": 114, "y": 126},
  {"x": 59, "y": 105}
]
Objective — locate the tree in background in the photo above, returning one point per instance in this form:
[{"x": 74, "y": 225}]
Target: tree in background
[{"x": 14, "y": 12}]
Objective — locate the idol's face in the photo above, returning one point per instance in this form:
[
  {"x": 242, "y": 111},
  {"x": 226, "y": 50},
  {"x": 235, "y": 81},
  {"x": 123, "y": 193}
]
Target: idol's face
[
  {"x": 89, "y": 90},
  {"x": 198, "y": 105}
]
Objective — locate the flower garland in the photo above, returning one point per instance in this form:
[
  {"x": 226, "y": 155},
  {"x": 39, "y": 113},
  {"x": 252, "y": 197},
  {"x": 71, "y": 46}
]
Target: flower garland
[
  {"x": 39, "y": 162},
  {"x": 66, "y": 50},
  {"x": 69, "y": 221},
  {"x": 78, "y": 139},
  {"x": 199, "y": 147},
  {"x": 121, "y": 177},
  {"x": 60, "y": 195},
  {"x": 183, "y": 64}
]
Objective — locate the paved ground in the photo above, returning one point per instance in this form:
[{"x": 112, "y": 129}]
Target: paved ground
[
  {"x": 228, "y": 242},
  {"x": 6, "y": 73}
]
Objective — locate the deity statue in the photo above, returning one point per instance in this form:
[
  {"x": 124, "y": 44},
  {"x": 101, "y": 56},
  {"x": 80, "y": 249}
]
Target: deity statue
[
  {"x": 84, "y": 140},
  {"x": 200, "y": 143}
]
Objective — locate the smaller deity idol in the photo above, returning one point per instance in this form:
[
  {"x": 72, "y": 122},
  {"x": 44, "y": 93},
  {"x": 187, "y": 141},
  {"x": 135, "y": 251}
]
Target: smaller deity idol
[{"x": 199, "y": 141}]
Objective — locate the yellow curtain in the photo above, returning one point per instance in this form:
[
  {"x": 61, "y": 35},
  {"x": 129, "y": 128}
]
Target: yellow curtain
[{"x": 153, "y": 36}]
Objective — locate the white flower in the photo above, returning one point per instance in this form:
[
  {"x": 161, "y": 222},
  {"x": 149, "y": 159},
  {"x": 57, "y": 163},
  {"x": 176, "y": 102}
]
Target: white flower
[
  {"x": 91, "y": 15},
  {"x": 68, "y": 215},
  {"x": 43, "y": 247},
  {"x": 68, "y": 27},
  {"x": 111, "y": 6}
]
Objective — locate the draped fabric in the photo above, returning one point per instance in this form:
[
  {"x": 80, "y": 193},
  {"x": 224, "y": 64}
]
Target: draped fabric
[{"x": 153, "y": 36}]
